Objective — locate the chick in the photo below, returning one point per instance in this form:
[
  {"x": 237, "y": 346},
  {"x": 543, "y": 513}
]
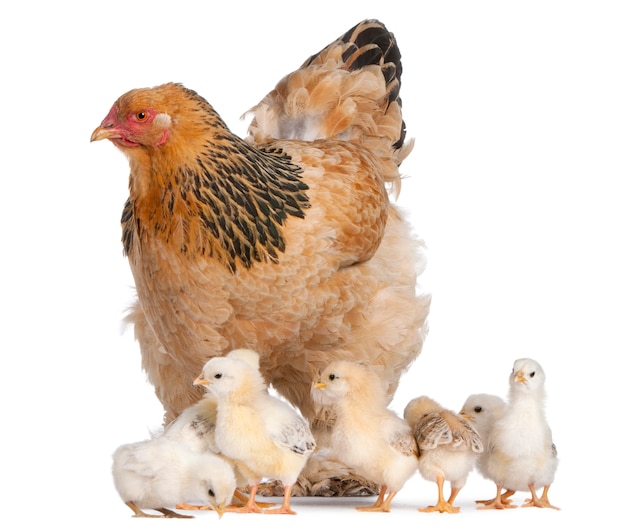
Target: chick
[
  {"x": 447, "y": 446},
  {"x": 368, "y": 436},
  {"x": 521, "y": 452},
  {"x": 195, "y": 428},
  {"x": 483, "y": 409},
  {"x": 264, "y": 434},
  {"x": 158, "y": 473}
]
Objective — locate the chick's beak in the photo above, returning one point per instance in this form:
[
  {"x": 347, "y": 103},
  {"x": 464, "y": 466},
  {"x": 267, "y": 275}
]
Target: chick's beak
[
  {"x": 219, "y": 508},
  {"x": 320, "y": 385},
  {"x": 519, "y": 377},
  {"x": 200, "y": 381},
  {"x": 467, "y": 416}
]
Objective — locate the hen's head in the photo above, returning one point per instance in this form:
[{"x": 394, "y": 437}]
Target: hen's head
[{"x": 148, "y": 117}]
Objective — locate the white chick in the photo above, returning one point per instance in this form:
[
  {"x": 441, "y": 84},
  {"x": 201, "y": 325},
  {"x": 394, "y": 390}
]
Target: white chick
[
  {"x": 447, "y": 446},
  {"x": 483, "y": 409},
  {"x": 159, "y": 473},
  {"x": 266, "y": 435},
  {"x": 522, "y": 455},
  {"x": 369, "y": 437},
  {"x": 195, "y": 428}
]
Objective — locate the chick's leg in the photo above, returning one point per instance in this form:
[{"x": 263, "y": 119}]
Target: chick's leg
[
  {"x": 166, "y": 513},
  {"x": 243, "y": 499},
  {"x": 442, "y": 505},
  {"x": 504, "y": 498},
  {"x": 286, "y": 506},
  {"x": 453, "y": 494},
  {"x": 499, "y": 502},
  {"x": 171, "y": 514},
  {"x": 535, "y": 501},
  {"x": 190, "y": 507},
  {"x": 381, "y": 504},
  {"x": 250, "y": 505}
]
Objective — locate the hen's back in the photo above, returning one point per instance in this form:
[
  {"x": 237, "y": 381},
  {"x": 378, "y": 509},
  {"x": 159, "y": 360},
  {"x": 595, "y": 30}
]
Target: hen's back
[{"x": 348, "y": 90}]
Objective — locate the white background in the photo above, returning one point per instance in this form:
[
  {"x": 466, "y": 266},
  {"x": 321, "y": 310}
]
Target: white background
[{"x": 515, "y": 183}]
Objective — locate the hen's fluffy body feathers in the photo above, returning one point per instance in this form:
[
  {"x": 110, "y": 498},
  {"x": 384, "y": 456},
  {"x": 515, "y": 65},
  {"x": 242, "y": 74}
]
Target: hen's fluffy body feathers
[{"x": 286, "y": 242}]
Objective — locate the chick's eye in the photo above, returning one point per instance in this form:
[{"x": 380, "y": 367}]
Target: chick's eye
[
  {"x": 141, "y": 116},
  {"x": 532, "y": 374},
  {"x": 211, "y": 493},
  {"x": 478, "y": 409},
  {"x": 218, "y": 375},
  {"x": 332, "y": 377}
]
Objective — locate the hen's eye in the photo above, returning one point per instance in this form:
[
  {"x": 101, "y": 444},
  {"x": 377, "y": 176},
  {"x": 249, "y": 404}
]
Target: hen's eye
[
  {"x": 218, "y": 375},
  {"x": 141, "y": 116}
]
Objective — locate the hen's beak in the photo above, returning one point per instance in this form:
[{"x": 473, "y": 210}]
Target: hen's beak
[
  {"x": 200, "y": 381},
  {"x": 104, "y": 132}
]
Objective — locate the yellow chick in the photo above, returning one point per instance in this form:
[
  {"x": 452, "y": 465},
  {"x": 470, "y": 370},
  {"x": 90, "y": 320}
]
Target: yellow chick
[
  {"x": 368, "y": 436},
  {"x": 195, "y": 428},
  {"x": 264, "y": 434},
  {"x": 158, "y": 473},
  {"x": 447, "y": 448},
  {"x": 520, "y": 452},
  {"x": 483, "y": 409}
]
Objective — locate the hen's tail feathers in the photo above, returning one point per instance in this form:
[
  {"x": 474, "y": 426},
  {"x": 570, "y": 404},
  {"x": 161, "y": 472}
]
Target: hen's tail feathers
[{"x": 349, "y": 90}]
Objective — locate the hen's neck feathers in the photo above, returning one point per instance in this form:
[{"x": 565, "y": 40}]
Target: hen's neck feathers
[{"x": 208, "y": 192}]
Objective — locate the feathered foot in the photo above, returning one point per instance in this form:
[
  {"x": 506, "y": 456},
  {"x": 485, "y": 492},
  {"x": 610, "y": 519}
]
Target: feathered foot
[
  {"x": 323, "y": 476},
  {"x": 497, "y": 502},
  {"x": 542, "y": 502},
  {"x": 442, "y": 505}
]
